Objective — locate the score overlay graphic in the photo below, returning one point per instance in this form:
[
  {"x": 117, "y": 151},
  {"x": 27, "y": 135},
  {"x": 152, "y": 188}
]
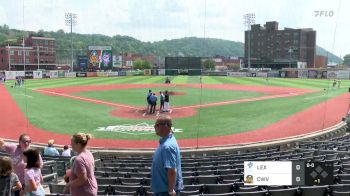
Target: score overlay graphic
[{"x": 289, "y": 173}]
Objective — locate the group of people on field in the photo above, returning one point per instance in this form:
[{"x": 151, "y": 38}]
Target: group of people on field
[{"x": 152, "y": 102}]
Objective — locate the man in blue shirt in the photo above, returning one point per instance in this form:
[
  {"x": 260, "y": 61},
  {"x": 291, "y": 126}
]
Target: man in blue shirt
[
  {"x": 50, "y": 150},
  {"x": 166, "y": 171},
  {"x": 153, "y": 100}
]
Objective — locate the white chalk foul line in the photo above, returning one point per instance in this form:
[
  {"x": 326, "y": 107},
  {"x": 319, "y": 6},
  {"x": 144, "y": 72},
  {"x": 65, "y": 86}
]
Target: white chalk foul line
[
  {"x": 240, "y": 101},
  {"x": 309, "y": 98},
  {"x": 24, "y": 95},
  {"x": 86, "y": 99}
]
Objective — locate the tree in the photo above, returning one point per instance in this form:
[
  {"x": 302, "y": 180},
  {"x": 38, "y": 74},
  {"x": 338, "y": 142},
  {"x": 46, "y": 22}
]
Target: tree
[
  {"x": 235, "y": 67},
  {"x": 141, "y": 64},
  {"x": 3, "y": 38},
  {"x": 5, "y": 29},
  {"x": 209, "y": 64},
  {"x": 346, "y": 60},
  {"x": 147, "y": 65}
]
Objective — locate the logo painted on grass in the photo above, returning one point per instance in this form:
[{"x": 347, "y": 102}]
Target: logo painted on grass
[{"x": 142, "y": 128}]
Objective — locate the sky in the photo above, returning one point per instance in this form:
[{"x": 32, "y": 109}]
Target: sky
[{"x": 156, "y": 20}]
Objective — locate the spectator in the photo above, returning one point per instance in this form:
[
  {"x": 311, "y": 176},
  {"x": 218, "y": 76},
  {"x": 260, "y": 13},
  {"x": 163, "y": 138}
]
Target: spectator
[
  {"x": 32, "y": 176},
  {"x": 66, "y": 151},
  {"x": 50, "y": 150},
  {"x": 66, "y": 180},
  {"x": 166, "y": 171},
  {"x": 82, "y": 180},
  {"x": 16, "y": 154},
  {"x": 9, "y": 181}
]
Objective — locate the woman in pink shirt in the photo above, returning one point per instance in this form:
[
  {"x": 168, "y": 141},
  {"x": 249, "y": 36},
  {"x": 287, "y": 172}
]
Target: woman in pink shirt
[
  {"x": 82, "y": 180},
  {"x": 16, "y": 154}
]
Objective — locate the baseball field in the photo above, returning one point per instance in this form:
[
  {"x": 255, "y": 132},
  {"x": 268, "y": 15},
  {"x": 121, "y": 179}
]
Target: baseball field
[{"x": 206, "y": 110}]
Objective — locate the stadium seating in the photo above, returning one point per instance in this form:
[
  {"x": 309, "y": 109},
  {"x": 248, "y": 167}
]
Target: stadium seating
[{"x": 220, "y": 173}]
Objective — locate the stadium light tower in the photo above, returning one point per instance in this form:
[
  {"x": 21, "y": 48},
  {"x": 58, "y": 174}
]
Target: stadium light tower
[
  {"x": 249, "y": 19},
  {"x": 71, "y": 20}
]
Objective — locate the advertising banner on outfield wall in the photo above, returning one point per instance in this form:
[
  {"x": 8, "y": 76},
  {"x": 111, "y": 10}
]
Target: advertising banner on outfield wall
[
  {"x": 237, "y": 74},
  {"x": 20, "y": 74},
  {"x": 313, "y": 74},
  {"x": 121, "y": 73},
  {"x": 28, "y": 75},
  {"x": 343, "y": 74},
  {"x": 101, "y": 74},
  {"x": 53, "y": 74},
  {"x": 324, "y": 74},
  {"x": 273, "y": 74},
  {"x": 251, "y": 74},
  {"x": 147, "y": 72},
  {"x": 81, "y": 74},
  {"x": 302, "y": 74},
  {"x": 91, "y": 74},
  {"x": 112, "y": 74},
  {"x": 292, "y": 74},
  {"x": 70, "y": 75},
  {"x": 261, "y": 74},
  {"x": 10, "y": 75},
  {"x": 283, "y": 74},
  {"x": 161, "y": 72},
  {"x": 37, "y": 74},
  {"x": 332, "y": 74},
  {"x": 46, "y": 74},
  {"x": 61, "y": 74}
]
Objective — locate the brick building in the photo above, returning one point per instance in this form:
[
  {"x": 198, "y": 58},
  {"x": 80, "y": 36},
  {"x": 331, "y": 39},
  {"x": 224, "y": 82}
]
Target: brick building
[
  {"x": 321, "y": 61},
  {"x": 276, "y": 49},
  {"x": 38, "y": 53}
]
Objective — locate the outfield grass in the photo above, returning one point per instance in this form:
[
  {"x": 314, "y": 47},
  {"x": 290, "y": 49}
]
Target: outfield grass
[{"x": 63, "y": 115}]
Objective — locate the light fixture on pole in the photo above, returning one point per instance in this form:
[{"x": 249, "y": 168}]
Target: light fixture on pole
[
  {"x": 24, "y": 55},
  {"x": 71, "y": 20},
  {"x": 249, "y": 19},
  {"x": 9, "y": 56},
  {"x": 38, "y": 56}
]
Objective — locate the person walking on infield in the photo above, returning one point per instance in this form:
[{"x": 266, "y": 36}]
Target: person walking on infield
[
  {"x": 166, "y": 173},
  {"x": 161, "y": 97},
  {"x": 149, "y": 94},
  {"x": 166, "y": 102}
]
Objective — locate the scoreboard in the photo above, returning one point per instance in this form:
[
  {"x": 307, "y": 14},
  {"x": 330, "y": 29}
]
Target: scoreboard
[
  {"x": 288, "y": 173},
  {"x": 183, "y": 63}
]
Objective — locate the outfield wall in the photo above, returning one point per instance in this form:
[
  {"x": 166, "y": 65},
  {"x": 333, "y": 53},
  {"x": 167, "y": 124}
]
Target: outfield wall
[{"x": 313, "y": 74}]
